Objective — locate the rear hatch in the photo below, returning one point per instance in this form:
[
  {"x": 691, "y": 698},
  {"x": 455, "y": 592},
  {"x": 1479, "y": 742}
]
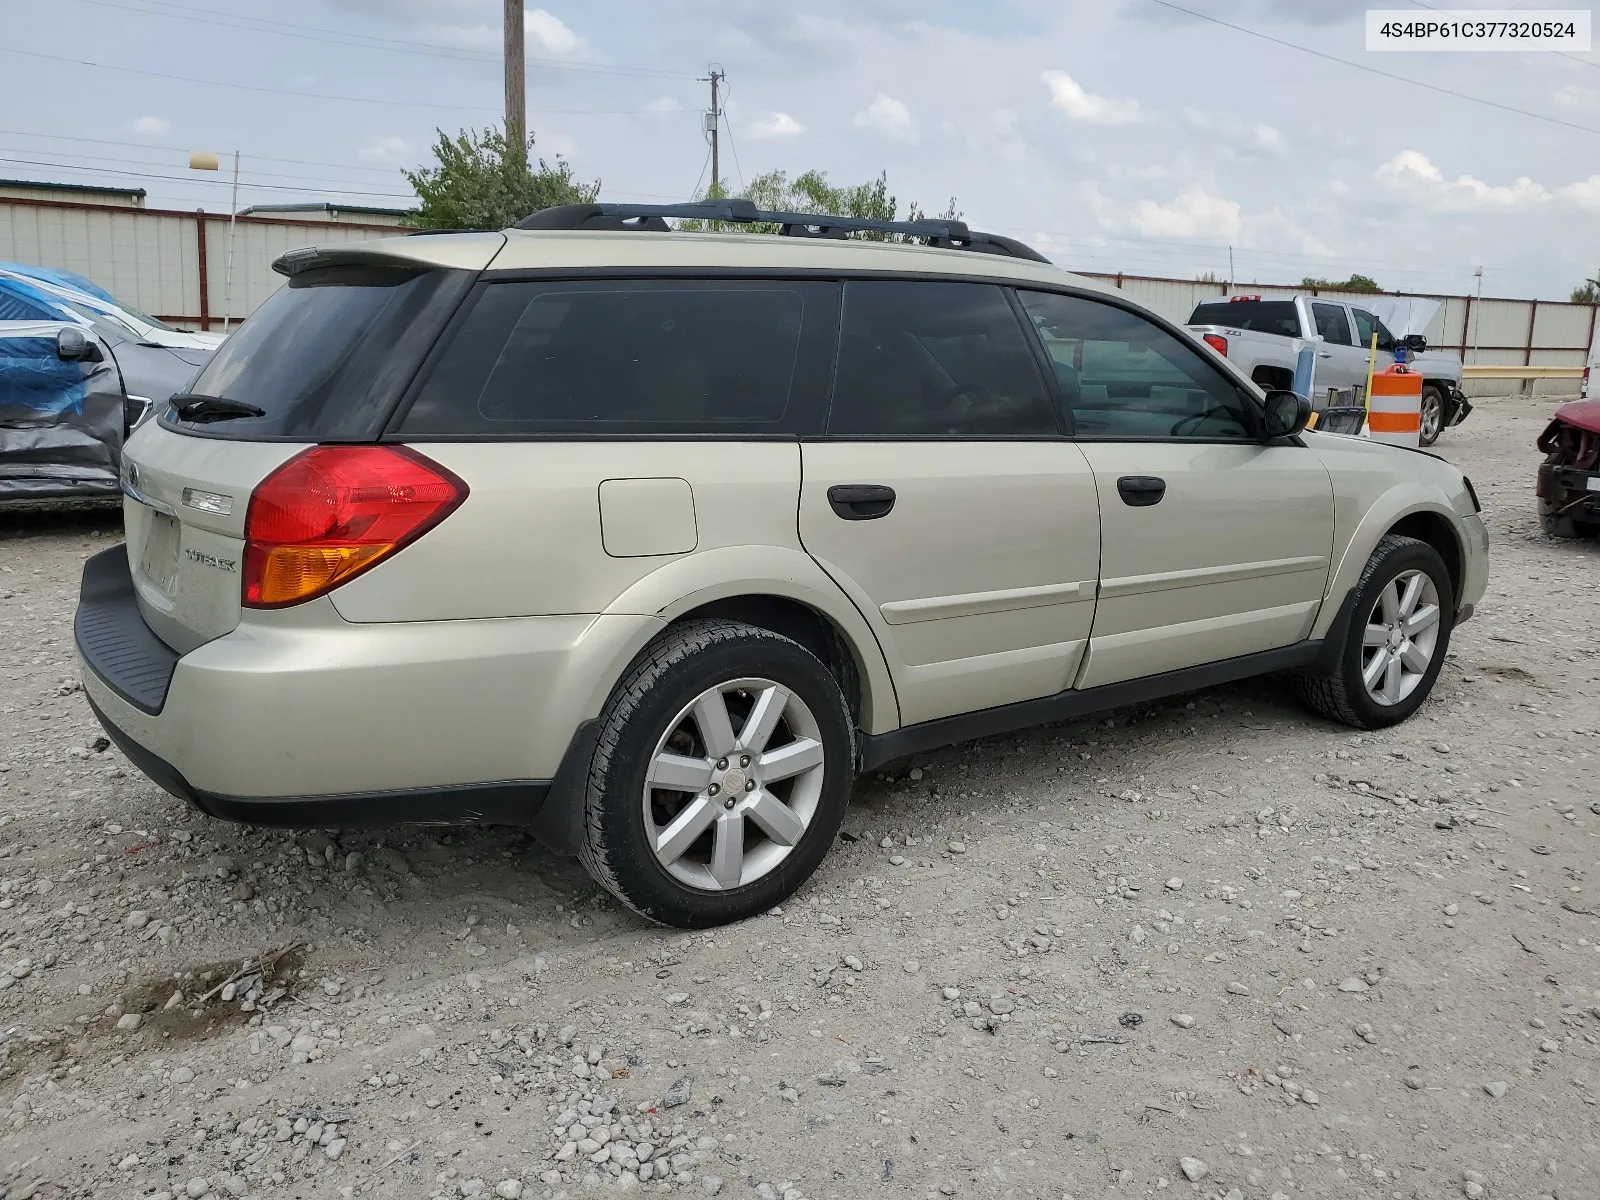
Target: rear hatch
[{"x": 325, "y": 359}]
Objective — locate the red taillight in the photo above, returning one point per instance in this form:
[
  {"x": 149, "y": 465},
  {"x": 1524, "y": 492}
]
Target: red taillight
[
  {"x": 1584, "y": 390},
  {"x": 1218, "y": 343},
  {"x": 330, "y": 513}
]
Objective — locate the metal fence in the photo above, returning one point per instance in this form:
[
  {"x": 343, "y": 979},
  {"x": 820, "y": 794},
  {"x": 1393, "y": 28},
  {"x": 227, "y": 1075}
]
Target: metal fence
[
  {"x": 171, "y": 264},
  {"x": 175, "y": 265},
  {"x": 1487, "y": 332}
]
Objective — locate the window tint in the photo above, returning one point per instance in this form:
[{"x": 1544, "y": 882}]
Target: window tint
[
  {"x": 1262, "y": 316},
  {"x": 1125, "y": 377},
  {"x": 329, "y": 353},
  {"x": 935, "y": 360},
  {"x": 1364, "y": 321},
  {"x": 1331, "y": 323},
  {"x": 628, "y": 356}
]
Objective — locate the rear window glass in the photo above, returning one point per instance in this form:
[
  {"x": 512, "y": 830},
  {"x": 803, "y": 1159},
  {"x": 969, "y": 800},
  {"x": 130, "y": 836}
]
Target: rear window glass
[
  {"x": 328, "y": 354},
  {"x": 628, "y": 356},
  {"x": 1262, "y": 316}
]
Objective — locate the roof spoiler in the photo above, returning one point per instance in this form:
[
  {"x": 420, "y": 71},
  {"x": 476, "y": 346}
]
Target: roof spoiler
[{"x": 936, "y": 231}]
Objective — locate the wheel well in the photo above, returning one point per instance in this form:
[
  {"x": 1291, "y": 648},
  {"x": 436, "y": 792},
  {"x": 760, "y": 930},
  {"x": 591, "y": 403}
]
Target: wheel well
[
  {"x": 801, "y": 623},
  {"x": 1268, "y": 378},
  {"x": 1436, "y": 531}
]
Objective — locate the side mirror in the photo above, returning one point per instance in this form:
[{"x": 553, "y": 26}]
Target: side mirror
[
  {"x": 73, "y": 346},
  {"x": 1286, "y": 414},
  {"x": 1416, "y": 343}
]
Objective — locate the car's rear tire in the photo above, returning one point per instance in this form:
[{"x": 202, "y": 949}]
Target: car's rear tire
[
  {"x": 1395, "y": 645},
  {"x": 757, "y": 733},
  {"x": 1431, "y": 422}
]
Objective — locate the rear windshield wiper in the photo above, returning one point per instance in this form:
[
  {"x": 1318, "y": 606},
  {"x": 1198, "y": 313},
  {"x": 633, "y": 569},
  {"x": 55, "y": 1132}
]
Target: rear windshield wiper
[{"x": 191, "y": 406}]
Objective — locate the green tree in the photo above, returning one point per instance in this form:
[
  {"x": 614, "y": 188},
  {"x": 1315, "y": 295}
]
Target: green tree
[
  {"x": 812, "y": 193},
  {"x": 1356, "y": 283},
  {"x": 1588, "y": 293},
  {"x": 483, "y": 182}
]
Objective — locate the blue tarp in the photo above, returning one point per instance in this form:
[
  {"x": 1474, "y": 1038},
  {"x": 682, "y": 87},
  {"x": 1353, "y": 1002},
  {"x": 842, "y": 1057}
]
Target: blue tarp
[
  {"x": 32, "y": 377},
  {"x": 21, "y": 302},
  {"x": 60, "y": 278}
]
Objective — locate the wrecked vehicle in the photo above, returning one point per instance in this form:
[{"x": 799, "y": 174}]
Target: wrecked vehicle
[
  {"x": 1569, "y": 478},
  {"x": 62, "y": 413}
]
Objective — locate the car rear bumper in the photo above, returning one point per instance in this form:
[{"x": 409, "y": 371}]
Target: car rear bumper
[{"x": 300, "y": 718}]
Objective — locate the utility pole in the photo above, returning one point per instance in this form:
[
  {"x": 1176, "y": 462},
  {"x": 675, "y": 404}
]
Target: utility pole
[
  {"x": 713, "y": 118},
  {"x": 516, "y": 81}
]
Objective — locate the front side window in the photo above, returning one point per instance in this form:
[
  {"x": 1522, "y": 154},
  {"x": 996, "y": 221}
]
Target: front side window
[
  {"x": 1331, "y": 323},
  {"x": 623, "y": 356},
  {"x": 935, "y": 360},
  {"x": 1125, "y": 377},
  {"x": 1367, "y": 325}
]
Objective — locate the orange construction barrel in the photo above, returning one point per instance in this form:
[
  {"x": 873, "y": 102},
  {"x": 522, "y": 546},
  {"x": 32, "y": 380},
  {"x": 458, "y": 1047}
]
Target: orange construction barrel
[{"x": 1394, "y": 409}]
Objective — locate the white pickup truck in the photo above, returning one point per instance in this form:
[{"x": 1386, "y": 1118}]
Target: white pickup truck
[{"x": 1263, "y": 336}]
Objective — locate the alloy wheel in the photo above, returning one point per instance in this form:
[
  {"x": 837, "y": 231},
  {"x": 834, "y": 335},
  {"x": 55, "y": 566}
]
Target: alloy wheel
[
  {"x": 1432, "y": 417},
  {"x": 733, "y": 784},
  {"x": 1401, "y": 634}
]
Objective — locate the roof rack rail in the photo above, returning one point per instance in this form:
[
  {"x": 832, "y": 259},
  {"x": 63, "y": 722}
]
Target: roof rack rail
[{"x": 949, "y": 234}]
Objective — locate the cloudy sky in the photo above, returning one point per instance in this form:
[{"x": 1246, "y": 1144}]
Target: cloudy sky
[{"x": 1113, "y": 134}]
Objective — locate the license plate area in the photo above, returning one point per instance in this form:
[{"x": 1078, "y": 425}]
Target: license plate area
[{"x": 158, "y": 560}]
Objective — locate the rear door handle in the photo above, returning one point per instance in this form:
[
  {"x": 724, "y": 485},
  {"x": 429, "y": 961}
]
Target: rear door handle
[
  {"x": 861, "y": 501},
  {"x": 1141, "y": 490},
  {"x": 1325, "y": 354}
]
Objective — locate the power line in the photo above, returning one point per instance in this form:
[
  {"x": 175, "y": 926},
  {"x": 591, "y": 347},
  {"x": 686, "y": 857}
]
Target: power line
[
  {"x": 251, "y": 87},
  {"x": 275, "y": 187},
  {"x": 338, "y": 37},
  {"x": 1558, "y": 53},
  {"x": 1432, "y": 87},
  {"x": 145, "y": 162}
]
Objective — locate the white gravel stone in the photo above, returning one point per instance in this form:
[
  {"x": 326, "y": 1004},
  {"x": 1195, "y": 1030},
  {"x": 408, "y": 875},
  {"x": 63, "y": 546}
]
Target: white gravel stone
[{"x": 1193, "y": 1169}]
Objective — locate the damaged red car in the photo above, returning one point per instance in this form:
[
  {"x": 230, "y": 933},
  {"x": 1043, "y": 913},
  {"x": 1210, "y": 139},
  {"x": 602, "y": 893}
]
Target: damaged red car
[{"x": 1569, "y": 477}]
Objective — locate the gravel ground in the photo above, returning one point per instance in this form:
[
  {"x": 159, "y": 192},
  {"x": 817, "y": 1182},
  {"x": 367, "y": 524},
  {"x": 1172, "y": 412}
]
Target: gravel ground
[{"x": 1207, "y": 947}]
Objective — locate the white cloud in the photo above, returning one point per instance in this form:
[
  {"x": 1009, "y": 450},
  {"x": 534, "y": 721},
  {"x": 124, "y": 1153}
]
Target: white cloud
[
  {"x": 1411, "y": 175},
  {"x": 664, "y": 104},
  {"x": 151, "y": 126},
  {"x": 889, "y": 116},
  {"x": 1575, "y": 95},
  {"x": 1584, "y": 194},
  {"x": 385, "y": 149},
  {"x": 775, "y": 125},
  {"x": 551, "y": 33},
  {"x": 1265, "y": 138},
  {"x": 544, "y": 36},
  {"x": 1193, "y": 213},
  {"x": 1068, "y": 95}
]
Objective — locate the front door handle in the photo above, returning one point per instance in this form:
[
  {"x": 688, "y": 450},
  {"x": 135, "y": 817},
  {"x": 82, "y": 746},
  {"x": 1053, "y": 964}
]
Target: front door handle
[
  {"x": 861, "y": 501},
  {"x": 1141, "y": 490},
  {"x": 1324, "y": 353}
]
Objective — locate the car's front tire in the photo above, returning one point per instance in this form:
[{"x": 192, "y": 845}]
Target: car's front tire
[
  {"x": 724, "y": 765},
  {"x": 1396, "y": 642}
]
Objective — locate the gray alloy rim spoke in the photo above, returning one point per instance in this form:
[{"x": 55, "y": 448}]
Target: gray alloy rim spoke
[
  {"x": 779, "y": 821},
  {"x": 763, "y": 719},
  {"x": 680, "y": 773},
  {"x": 733, "y": 784},
  {"x": 711, "y": 715},
  {"x": 727, "y": 850},
  {"x": 788, "y": 761},
  {"x": 688, "y": 825},
  {"x": 1400, "y": 637}
]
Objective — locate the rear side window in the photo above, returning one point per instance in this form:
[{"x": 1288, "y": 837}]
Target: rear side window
[
  {"x": 629, "y": 357},
  {"x": 935, "y": 360},
  {"x": 1261, "y": 316},
  {"x": 1332, "y": 324},
  {"x": 330, "y": 352}
]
